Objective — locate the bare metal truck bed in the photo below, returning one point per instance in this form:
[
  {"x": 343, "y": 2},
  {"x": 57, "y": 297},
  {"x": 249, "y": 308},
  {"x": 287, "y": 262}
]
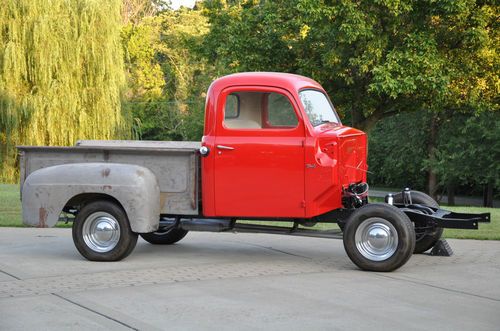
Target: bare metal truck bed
[{"x": 175, "y": 166}]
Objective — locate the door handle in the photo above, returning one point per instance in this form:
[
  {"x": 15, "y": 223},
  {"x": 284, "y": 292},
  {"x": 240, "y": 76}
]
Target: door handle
[{"x": 229, "y": 148}]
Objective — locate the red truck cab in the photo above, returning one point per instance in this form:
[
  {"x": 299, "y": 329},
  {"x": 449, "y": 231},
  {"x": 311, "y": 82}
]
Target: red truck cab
[{"x": 277, "y": 149}]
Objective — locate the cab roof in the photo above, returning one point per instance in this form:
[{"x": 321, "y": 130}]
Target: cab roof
[{"x": 277, "y": 79}]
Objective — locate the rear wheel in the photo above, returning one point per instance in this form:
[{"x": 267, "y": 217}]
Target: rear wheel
[
  {"x": 425, "y": 238},
  {"x": 164, "y": 237},
  {"x": 101, "y": 232},
  {"x": 379, "y": 237}
]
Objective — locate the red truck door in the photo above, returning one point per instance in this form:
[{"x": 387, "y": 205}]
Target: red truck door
[{"x": 259, "y": 154}]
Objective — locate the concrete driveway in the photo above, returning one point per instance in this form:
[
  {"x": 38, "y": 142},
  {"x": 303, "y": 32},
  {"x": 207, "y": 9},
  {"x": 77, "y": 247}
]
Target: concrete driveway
[{"x": 241, "y": 282}]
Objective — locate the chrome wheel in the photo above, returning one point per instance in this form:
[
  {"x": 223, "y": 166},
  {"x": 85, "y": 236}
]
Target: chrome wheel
[
  {"x": 376, "y": 239},
  {"x": 101, "y": 232}
]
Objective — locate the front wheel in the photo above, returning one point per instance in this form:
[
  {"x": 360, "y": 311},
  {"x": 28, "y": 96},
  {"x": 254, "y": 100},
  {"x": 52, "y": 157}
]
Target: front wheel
[
  {"x": 101, "y": 232},
  {"x": 379, "y": 237}
]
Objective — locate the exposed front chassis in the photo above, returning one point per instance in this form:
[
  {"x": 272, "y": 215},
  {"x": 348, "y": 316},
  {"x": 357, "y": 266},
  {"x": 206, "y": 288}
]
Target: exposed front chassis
[{"x": 441, "y": 218}]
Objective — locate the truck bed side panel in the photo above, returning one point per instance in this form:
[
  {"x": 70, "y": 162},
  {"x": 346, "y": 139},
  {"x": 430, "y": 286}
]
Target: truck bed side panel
[{"x": 175, "y": 168}]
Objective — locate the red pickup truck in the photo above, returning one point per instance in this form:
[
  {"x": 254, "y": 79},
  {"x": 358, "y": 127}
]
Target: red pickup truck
[{"x": 273, "y": 149}]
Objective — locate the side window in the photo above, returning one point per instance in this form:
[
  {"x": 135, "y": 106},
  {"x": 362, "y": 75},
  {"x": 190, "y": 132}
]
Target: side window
[
  {"x": 280, "y": 111},
  {"x": 232, "y": 109},
  {"x": 258, "y": 110}
]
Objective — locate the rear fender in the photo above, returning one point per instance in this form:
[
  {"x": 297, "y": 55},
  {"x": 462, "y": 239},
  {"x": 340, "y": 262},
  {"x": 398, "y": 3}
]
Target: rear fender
[{"x": 47, "y": 191}]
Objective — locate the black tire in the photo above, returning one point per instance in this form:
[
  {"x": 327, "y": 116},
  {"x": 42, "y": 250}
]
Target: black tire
[
  {"x": 383, "y": 217},
  {"x": 96, "y": 215},
  {"x": 168, "y": 237},
  {"x": 426, "y": 241}
]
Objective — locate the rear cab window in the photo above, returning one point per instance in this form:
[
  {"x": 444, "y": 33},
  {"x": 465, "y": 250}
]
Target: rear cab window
[{"x": 259, "y": 111}]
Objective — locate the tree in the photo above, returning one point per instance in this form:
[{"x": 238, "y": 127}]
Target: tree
[
  {"x": 375, "y": 58},
  {"x": 61, "y": 75},
  {"x": 167, "y": 78},
  {"x": 133, "y": 11},
  {"x": 397, "y": 151},
  {"x": 468, "y": 151}
]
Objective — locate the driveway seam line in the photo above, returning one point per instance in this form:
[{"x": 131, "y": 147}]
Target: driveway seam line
[
  {"x": 439, "y": 287},
  {"x": 94, "y": 311},
  {"x": 278, "y": 250},
  {"x": 11, "y": 275}
]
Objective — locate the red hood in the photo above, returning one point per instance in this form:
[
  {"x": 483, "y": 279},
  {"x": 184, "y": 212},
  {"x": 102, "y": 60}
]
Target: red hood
[{"x": 349, "y": 147}]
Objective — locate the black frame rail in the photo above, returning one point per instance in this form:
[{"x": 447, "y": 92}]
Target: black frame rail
[{"x": 442, "y": 218}]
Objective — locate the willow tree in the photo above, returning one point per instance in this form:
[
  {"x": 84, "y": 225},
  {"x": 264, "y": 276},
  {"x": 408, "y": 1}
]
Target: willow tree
[{"x": 61, "y": 74}]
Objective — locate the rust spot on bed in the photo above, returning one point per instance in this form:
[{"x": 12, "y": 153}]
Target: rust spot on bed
[
  {"x": 140, "y": 173},
  {"x": 42, "y": 217},
  {"x": 105, "y": 172}
]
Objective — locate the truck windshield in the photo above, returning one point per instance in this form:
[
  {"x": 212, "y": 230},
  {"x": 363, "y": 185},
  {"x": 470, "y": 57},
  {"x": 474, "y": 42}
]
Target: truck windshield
[{"x": 318, "y": 108}]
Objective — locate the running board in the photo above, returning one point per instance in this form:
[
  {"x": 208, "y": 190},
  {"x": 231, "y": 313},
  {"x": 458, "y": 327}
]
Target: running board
[
  {"x": 225, "y": 225},
  {"x": 293, "y": 231}
]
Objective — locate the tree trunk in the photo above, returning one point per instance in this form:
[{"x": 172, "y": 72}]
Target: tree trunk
[
  {"x": 431, "y": 149},
  {"x": 451, "y": 194},
  {"x": 357, "y": 119},
  {"x": 488, "y": 195},
  {"x": 363, "y": 123}
]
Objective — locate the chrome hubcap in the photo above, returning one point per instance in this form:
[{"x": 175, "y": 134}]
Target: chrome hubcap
[
  {"x": 101, "y": 232},
  {"x": 376, "y": 239}
]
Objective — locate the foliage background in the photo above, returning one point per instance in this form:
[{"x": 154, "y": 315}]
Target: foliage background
[
  {"x": 421, "y": 77},
  {"x": 61, "y": 75}
]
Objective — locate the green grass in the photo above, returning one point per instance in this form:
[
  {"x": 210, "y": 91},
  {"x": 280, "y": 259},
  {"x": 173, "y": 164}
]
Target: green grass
[
  {"x": 10, "y": 206},
  {"x": 10, "y": 215}
]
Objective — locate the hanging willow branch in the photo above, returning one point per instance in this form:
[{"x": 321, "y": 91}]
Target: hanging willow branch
[{"x": 61, "y": 74}]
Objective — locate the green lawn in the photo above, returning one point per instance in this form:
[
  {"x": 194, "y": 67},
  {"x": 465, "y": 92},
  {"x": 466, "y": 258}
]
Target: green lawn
[
  {"x": 10, "y": 206},
  {"x": 10, "y": 215}
]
